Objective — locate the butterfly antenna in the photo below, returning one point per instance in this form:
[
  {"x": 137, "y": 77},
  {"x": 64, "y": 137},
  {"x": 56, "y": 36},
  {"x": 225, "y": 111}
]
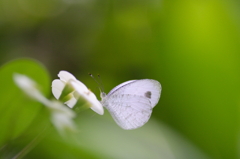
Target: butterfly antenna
[{"x": 99, "y": 84}]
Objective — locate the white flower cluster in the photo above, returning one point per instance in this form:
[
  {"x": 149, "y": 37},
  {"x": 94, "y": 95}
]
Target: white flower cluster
[
  {"x": 67, "y": 89},
  {"x": 77, "y": 91}
]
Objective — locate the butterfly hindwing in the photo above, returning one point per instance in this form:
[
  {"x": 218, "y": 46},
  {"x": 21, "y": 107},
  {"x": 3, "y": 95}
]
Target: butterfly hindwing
[{"x": 129, "y": 111}]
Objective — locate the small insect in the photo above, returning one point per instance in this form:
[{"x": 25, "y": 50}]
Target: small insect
[{"x": 131, "y": 102}]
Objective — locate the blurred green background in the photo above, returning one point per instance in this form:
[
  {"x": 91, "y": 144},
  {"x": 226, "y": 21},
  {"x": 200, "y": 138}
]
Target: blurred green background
[{"x": 191, "y": 46}]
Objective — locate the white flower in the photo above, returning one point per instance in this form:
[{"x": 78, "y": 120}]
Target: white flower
[
  {"x": 79, "y": 91},
  {"x": 29, "y": 87},
  {"x": 61, "y": 116}
]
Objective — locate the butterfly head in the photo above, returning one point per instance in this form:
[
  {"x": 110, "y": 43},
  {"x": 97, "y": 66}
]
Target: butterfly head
[{"x": 103, "y": 95}]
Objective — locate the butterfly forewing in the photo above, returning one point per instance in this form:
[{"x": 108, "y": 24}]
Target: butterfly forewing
[
  {"x": 120, "y": 85},
  {"x": 148, "y": 88}
]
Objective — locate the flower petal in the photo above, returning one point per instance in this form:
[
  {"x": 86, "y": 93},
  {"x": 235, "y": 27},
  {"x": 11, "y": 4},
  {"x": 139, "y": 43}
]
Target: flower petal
[
  {"x": 90, "y": 97},
  {"x": 62, "y": 122},
  {"x": 57, "y": 88},
  {"x": 66, "y": 76},
  {"x": 96, "y": 105},
  {"x": 82, "y": 86},
  {"x": 70, "y": 103}
]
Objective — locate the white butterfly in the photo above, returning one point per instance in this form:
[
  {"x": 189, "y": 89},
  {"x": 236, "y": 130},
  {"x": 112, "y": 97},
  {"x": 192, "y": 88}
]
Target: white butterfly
[{"x": 131, "y": 102}]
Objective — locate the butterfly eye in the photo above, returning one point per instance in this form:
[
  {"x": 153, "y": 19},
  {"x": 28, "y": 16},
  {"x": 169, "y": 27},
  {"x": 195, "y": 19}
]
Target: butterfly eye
[{"x": 148, "y": 94}]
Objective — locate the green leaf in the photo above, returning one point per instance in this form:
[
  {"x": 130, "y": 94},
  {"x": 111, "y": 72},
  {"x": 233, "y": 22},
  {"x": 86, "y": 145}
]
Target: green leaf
[
  {"x": 17, "y": 110},
  {"x": 100, "y": 137}
]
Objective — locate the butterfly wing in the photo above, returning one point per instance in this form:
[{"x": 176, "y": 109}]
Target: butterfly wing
[
  {"x": 131, "y": 102},
  {"x": 145, "y": 87},
  {"x": 129, "y": 111}
]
